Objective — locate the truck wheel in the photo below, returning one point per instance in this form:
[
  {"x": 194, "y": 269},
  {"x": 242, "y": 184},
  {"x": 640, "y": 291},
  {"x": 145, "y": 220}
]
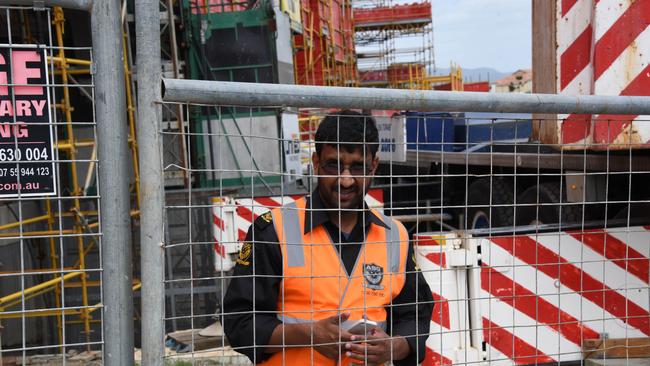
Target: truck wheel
[
  {"x": 530, "y": 213},
  {"x": 480, "y": 213},
  {"x": 637, "y": 211}
]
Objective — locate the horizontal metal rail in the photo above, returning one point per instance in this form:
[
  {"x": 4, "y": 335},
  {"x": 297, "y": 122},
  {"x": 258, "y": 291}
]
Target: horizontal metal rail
[
  {"x": 422, "y": 217},
  {"x": 306, "y": 96}
]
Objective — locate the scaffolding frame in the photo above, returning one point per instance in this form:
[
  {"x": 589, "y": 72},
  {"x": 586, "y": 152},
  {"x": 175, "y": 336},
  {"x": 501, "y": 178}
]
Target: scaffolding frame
[{"x": 394, "y": 44}]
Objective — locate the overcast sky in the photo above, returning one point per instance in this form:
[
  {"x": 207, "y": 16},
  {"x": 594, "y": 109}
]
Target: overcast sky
[{"x": 482, "y": 33}]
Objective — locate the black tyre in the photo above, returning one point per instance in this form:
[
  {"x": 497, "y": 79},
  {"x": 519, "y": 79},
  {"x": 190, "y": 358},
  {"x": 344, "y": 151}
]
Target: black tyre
[
  {"x": 483, "y": 212},
  {"x": 543, "y": 204},
  {"x": 637, "y": 211}
]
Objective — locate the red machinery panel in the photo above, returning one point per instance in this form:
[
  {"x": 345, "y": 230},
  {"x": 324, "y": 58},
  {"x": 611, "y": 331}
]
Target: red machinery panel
[
  {"x": 369, "y": 77},
  {"x": 216, "y": 6},
  {"x": 404, "y": 72},
  {"x": 325, "y": 49},
  {"x": 479, "y": 86}
]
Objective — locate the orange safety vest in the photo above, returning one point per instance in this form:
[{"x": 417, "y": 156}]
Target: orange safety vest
[{"x": 316, "y": 285}]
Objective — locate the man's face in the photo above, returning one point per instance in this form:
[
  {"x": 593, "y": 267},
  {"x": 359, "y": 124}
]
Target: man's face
[{"x": 341, "y": 181}]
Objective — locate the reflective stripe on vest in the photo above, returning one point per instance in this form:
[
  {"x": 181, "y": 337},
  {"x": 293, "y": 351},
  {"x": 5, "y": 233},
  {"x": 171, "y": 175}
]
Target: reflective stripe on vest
[
  {"x": 292, "y": 234},
  {"x": 392, "y": 244}
]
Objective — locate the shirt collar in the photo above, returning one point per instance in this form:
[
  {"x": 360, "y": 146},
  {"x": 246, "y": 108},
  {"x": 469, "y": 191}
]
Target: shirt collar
[{"x": 316, "y": 214}]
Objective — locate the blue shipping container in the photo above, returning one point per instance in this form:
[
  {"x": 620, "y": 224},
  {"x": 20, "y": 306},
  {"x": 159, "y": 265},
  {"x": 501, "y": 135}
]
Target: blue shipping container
[
  {"x": 481, "y": 128},
  {"x": 430, "y": 131}
]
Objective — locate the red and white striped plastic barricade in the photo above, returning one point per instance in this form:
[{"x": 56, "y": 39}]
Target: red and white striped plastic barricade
[
  {"x": 540, "y": 296},
  {"x": 603, "y": 48},
  {"x": 443, "y": 264},
  {"x": 232, "y": 217}
]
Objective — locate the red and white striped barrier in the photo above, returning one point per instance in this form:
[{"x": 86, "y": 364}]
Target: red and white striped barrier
[
  {"x": 541, "y": 296},
  {"x": 448, "y": 342},
  {"x": 603, "y": 48},
  {"x": 534, "y": 299},
  {"x": 233, "y": 216}
]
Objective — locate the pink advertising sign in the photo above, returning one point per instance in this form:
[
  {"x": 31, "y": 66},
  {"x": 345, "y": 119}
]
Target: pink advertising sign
[{"x": 26, "y": 150}]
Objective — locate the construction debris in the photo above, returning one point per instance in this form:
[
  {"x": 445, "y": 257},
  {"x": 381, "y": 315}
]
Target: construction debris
[
  {"x": 196, "y": 339},
  {"x": 222, "y": 356},
  {"x": 72, "y": 358}
]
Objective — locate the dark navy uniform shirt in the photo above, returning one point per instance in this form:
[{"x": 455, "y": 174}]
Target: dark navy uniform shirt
[{"x": 250, "y": 304}]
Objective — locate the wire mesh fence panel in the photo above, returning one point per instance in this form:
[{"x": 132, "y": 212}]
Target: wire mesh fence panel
[
  {"x": 50, "y": 262},
  {"x": 328, "y": 236}
]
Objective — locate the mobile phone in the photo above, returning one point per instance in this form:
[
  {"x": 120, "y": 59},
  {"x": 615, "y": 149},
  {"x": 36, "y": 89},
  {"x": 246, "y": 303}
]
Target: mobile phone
[{"x": 362, "y": 326}]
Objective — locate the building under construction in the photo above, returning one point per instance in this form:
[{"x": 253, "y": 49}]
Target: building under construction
[{"x": 394, "y": 44}]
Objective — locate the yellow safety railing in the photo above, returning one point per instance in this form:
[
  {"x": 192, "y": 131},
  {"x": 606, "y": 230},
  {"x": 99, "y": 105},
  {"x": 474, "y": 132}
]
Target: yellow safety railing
[{"x": 16, "y": 298}]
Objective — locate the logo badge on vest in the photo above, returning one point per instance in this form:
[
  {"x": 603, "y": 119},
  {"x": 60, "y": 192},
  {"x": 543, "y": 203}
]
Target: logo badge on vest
[{"x": 373, "y": 274}]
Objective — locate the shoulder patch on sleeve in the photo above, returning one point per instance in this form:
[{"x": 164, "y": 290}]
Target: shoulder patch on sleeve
[
  {"x": 267, "y": 216},
  {"x": 245, "y": 254},
  {"x": 264, "y": 220},
  {"x": 415, "y": 261}
]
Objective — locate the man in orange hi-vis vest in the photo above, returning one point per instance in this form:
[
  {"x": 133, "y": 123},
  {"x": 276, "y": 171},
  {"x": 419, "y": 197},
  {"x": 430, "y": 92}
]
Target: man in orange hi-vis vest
[{"x": 326, "y": 280}]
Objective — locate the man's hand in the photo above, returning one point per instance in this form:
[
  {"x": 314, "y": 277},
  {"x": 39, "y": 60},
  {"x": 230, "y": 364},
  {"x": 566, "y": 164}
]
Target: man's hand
[
  {"x": 377, "y": 349},
  {"x": 325, "y": 336},
  {"x": 329, "y": 337}
]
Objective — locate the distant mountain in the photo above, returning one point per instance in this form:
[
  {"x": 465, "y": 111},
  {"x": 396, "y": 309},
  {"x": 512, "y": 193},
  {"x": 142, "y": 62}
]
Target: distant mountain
[{"x": 477, "y": 74}]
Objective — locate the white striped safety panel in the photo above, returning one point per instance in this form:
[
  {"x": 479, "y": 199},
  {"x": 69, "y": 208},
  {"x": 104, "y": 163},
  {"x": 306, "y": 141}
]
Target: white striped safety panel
[
  {"x": 603, "y": 48},
  {"x": 534, "y": 299}
]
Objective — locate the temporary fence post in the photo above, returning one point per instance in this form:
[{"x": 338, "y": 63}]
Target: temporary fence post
[
  {"x": 113, "y": 154},
  {"x": 147, "y": 30}
]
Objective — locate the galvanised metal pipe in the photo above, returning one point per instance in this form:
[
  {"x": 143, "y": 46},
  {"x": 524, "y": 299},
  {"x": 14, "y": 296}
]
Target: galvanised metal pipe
[
  {"x": 69, "y": 4},
  {"x": 147, "y": 33},
  {"x": 114, "y": 158},
  {"x": 254, "y": 94}
]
